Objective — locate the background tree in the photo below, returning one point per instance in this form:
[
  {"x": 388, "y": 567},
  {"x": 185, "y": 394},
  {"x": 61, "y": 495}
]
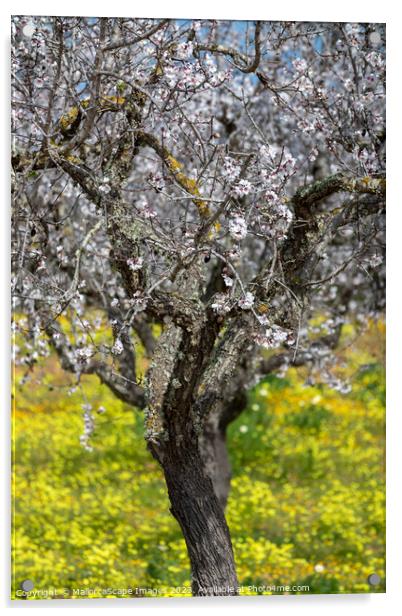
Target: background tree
[{"x": 199, "y": 191}]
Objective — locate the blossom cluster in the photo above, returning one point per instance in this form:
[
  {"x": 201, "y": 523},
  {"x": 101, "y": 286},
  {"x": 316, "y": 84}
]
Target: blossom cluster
[
  {"x": 271, "y": 337},
  {"x": 238, "y": 228}
]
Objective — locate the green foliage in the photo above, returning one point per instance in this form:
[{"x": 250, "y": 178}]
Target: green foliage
[{"x": 307, "y": 500}]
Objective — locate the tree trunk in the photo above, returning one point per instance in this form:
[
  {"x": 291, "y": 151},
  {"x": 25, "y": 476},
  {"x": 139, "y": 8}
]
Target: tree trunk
[
  {"x": 197, "y": 509},
  {"x": 216, "y": 460},
  {"x": 213, "y": 444}
]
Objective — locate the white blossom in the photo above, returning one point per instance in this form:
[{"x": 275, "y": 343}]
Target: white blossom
[
  {"x": 118, "y": 347},
  {"x": 238, "y": 227},
  {"x": 157, "y": 181},
  {"x": 284, "y": 212},
  {"x": 139, "y": 302},
  {"x": 300, "y": 65},
  {"x": 135, "y": 263},
  {"x": 227, "y": 280},
  {"x": 271, "y": 197},
  {"x": 105, "y": 186},
  {"x": 220, "y": 304},
  {"x": 184, "y": 50},
  {"x": 85, "y": 353},
  {"x": 148, "y": 212},
  {"x": 376, "y": 260},
  {"x": 231, "y": 168},
  {"x": 272, "y": 337},
  {"x": 242, "y": 188},
  {"x": 247, "y": 301}
]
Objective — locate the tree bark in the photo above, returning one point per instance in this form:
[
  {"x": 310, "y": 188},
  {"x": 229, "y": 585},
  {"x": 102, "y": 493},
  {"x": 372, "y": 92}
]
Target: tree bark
[
  {"x": 200, "y": 515},
  {"x": 215, "y": 456},
  {"x": 213, "y": 444}
]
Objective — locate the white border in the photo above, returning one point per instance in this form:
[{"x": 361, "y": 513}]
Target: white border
[{"x": 291, "y": 10}]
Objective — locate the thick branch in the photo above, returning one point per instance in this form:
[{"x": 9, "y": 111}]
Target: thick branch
[
  {"x": 240, "y": 59},
  {"x": 315, "y": 192},
  {"x": 174, "y": 166}
]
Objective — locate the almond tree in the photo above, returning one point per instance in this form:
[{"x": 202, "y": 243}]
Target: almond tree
[{"x": 199, "y": 190}]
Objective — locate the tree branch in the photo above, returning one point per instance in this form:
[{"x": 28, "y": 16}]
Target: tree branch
[
  {"x": 126, "y": 390},
  {"x": 136, "y": 39},
  {"x": 307, "y": 196},
  {"x": 238, "y": 57},
  {"x": 270, "y": 364}
]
